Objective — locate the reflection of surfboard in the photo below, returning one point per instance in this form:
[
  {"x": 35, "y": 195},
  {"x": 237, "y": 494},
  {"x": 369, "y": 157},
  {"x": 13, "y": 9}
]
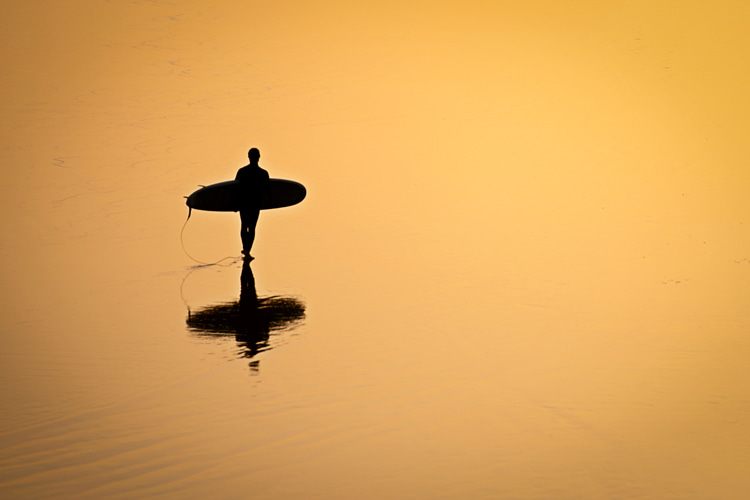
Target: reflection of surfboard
[{"x": 225, "y": 196}]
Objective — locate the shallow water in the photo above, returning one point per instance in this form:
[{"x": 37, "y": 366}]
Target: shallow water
[{"x": 520, "y": 272}]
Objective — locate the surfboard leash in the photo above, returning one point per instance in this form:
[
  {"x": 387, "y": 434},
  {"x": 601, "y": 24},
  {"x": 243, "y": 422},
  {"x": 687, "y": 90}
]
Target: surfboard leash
[{"x": 182, "y": 242}]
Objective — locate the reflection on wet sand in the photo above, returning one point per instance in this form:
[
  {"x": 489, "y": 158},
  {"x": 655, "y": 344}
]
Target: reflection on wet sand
[{"x": 251, "y": 320}]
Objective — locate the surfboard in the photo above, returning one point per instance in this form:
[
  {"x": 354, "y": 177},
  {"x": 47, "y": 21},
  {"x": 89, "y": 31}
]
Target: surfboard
[{"x": 225, "y": 196}]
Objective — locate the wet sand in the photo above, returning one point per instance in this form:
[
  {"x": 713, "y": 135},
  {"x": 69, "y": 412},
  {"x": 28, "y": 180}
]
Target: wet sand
[{"x": 520, "y": 271}]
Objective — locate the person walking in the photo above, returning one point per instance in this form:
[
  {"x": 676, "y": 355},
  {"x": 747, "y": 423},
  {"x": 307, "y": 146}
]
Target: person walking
[{"x": 255, "y": 191}]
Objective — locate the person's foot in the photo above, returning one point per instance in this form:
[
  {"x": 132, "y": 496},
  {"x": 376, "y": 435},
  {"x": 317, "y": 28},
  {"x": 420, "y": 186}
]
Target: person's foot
[{"x": 246, "y": 254}]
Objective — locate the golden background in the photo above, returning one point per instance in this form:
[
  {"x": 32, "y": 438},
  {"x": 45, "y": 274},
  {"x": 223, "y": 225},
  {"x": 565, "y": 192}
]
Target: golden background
[{"x": 524, "y": 253}]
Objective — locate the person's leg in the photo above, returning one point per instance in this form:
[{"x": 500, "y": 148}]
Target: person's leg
[{"x": 249, "y": 220}]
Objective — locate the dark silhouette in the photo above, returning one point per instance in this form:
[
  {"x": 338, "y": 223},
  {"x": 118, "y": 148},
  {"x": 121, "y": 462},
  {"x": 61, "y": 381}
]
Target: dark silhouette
[
  {"x": 251, "y": 320},
  {"x": 255, "y": 190}
]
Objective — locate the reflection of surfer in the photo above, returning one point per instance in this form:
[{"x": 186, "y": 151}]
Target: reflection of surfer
[
  {"x": 251, "y": 320},
  {"x": 248, "y": 295},
  {"x": 255, "y": 189},
  {"x": 252, "y": 328}
]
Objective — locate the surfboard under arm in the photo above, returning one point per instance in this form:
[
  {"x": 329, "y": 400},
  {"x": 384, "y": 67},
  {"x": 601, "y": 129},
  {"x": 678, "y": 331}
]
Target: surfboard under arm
[{"x": 226, "y": 196}]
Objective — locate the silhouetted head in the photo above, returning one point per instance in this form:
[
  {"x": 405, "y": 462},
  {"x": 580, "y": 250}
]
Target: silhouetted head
[{"x": 253, "y": 155}]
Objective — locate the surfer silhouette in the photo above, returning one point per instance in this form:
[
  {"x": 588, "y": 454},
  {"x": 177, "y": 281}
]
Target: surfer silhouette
[{"x": 255, "y": 189}]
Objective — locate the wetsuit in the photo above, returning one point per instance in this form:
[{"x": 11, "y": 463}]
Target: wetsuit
[{"x": 254, "y": 191}]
